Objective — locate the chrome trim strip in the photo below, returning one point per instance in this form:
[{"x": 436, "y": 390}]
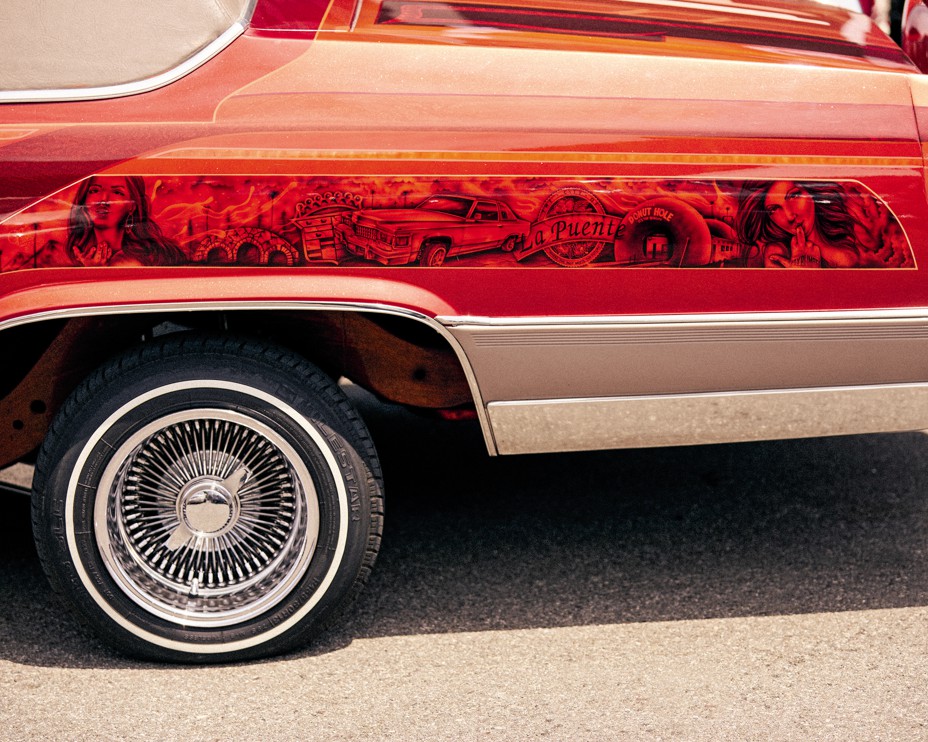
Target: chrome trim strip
[
  {"x": 547, "y": 426},
  {"x": 169, "y": 308},
  {"x": 738, "y": 332},
  {"x": 668, "y": 319},
  {"x": 130, "y": 88},
  {"x": 355, "y": 15}
]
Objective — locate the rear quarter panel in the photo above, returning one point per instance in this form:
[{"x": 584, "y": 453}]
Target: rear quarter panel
[{"x": 351, "y": 123}]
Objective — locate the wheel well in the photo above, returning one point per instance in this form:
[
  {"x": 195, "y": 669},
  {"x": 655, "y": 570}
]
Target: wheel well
[
  {"x": 446, "y": 241},
  {"x": 397, "y": 358}
]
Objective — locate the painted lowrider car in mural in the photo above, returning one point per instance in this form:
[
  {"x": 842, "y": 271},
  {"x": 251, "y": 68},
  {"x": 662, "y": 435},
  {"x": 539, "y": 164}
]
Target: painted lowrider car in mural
[
  {"x": 441, "y": 227},
  {"x": 585, "y": 224}
]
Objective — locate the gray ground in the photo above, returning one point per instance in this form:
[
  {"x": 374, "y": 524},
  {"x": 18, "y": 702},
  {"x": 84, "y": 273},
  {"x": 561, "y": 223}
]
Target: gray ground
[{"x": 757, "y": 591}]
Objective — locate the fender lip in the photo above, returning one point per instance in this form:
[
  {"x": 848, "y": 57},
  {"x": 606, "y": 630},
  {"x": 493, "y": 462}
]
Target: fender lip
[
  {"x": 182, "y": 306},
  {"x": 30, "y": 292}
]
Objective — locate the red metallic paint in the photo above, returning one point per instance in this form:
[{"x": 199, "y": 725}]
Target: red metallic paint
[
  {"x": 234, "y": 116},
  {"x": 70, "y": 141}
]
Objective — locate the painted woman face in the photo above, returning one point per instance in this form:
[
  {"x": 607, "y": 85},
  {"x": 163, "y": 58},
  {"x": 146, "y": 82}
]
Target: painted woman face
[
  {"x": 108, "y": 202},
  {"x": 790, "y": 207}
]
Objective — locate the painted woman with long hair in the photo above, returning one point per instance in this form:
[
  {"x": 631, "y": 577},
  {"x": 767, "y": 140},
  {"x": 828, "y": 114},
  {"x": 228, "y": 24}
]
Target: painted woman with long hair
[
  {"x": 110, "y": 224},
  {"x": 797, "y": 224}
]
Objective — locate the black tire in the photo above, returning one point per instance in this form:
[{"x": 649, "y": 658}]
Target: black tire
[
  {"x": 433, "y": 254},
  {"x": 207, "y": 499}
]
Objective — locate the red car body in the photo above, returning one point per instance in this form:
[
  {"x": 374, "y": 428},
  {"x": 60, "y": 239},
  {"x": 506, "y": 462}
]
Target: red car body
[{"x": 721, "y": 231}]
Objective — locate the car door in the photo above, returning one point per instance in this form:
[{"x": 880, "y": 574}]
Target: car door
[{"x": 485, "y": 229}]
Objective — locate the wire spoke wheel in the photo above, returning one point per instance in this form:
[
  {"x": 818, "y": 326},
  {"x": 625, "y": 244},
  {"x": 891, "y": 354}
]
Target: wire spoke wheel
[
  {"x": 208, "y": 519},
  {"x": 207, "y": 499}
]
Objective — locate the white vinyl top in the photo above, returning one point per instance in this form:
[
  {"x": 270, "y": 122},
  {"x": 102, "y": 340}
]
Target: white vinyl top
[{"x": 77, "y": 44}]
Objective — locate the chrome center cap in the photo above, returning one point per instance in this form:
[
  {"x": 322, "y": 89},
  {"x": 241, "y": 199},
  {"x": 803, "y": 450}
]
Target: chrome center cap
[{"x": 207, "y": 508}]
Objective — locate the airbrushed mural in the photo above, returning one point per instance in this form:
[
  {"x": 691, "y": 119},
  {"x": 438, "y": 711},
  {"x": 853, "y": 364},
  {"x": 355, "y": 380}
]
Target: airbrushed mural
[{"x": 489, "y": 222}]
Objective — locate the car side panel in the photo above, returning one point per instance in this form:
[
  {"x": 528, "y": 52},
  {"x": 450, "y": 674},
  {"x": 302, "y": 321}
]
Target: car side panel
[{"x": 339, "y": 113}]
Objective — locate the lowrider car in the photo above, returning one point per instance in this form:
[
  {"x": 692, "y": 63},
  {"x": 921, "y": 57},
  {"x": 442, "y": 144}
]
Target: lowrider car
[
  {"x": 440, "y": 227},
  {"x": 721, "y": 233}
]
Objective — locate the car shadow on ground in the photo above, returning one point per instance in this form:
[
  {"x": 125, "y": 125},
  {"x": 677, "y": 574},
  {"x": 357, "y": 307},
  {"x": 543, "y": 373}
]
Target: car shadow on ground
[{"x": 474, "y": 543}]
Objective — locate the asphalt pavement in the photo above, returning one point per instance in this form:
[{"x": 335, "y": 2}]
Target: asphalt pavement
[{"x": 754, "y": 591}]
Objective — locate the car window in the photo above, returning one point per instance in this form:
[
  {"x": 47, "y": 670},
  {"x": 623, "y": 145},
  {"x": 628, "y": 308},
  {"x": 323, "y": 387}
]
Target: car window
[
  {"x": 448, "y": 205},
  {"x": 506, "y": 213},
  {"x": 486, "y": 212}
]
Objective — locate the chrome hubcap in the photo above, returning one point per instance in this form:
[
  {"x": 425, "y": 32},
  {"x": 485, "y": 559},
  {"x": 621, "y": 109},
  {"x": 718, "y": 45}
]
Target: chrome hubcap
[
  {"x": 206, "y": 517},
  {"x": 208, "y": 509}
]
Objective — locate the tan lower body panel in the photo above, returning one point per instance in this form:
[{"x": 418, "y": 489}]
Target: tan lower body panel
[
  {"x": 542, "y": 426},
  {"x": 568, "y": 384},
  {"x": 657, "y": 357}
]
